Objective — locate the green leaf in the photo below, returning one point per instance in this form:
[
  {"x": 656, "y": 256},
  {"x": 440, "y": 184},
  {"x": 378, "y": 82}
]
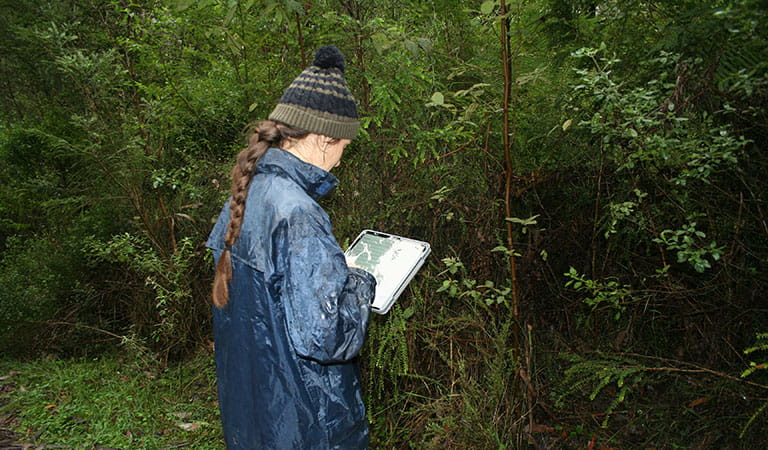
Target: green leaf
[
  {"x": 438, "y": 98},
  {"x": 381, "y": 42},
  {"x": 294, "y": 6},
  {"x": 181, "y": 5},
  {"x": 488, "y": 7},
  {"x": 411, "y": 46},
  {"x": 230, "y": 14}
]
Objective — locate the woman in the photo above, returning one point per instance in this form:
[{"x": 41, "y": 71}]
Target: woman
[{"x": 290, "y": 316}]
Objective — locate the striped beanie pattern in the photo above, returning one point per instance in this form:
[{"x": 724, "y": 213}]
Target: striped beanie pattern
[{"x": 319, "y": 100}]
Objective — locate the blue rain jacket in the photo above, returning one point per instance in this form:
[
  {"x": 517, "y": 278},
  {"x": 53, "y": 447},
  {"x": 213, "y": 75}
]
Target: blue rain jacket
[{"x": 285, "y": 345}]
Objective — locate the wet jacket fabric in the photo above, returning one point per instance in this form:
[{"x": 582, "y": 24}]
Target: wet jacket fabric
[{"x": 285, "y": 344}]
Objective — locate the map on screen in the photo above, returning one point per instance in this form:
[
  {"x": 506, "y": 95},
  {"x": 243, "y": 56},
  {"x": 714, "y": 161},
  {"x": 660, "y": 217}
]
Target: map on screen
[{"x": 392, "y": 260}]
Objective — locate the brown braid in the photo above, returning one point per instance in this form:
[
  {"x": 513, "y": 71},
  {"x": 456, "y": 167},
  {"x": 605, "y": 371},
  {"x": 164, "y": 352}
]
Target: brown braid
[{"x": 265, "y": 135}]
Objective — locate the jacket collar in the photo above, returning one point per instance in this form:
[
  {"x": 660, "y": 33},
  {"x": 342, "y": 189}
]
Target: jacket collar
[{"x": 315, "y": 181}]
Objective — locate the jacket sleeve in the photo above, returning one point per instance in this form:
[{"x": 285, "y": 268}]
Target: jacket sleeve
[{"x": 327, "y": 304}]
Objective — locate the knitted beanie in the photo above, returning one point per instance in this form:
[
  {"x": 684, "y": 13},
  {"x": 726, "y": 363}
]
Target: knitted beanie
[{"x": 318, "y": 100}]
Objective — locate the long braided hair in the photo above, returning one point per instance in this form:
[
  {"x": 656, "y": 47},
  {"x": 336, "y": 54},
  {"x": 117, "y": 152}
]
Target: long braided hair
[{"x": 264, "y": 135}]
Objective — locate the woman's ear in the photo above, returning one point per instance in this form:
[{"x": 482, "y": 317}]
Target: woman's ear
[{"x": 319, "y": 140}]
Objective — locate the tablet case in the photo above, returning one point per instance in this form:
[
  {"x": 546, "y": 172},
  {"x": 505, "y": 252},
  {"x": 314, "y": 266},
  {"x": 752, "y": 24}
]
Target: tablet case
[{"x": 392, "y": 260}]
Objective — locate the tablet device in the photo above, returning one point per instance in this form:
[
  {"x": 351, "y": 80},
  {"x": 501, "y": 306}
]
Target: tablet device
[{"x": 392, "y": 260}]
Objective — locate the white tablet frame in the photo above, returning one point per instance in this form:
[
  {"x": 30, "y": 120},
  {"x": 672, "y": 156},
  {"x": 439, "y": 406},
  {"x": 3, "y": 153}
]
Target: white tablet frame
[{"x": 384, "y": 300}]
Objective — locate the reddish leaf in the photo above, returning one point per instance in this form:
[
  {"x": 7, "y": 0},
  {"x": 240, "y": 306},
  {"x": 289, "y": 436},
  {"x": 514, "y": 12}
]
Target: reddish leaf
[{"x": 698, "y": 402}]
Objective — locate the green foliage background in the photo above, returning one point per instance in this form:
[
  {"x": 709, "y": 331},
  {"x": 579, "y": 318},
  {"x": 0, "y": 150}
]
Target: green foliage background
[{"x": 637, "y": 184}]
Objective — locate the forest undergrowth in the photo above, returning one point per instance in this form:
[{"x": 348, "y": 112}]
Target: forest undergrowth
[{"x": 590, "y": 176}]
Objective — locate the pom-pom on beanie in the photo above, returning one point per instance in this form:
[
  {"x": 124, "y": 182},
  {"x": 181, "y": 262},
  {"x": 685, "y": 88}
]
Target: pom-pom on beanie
[{"x": 319, "y": 100}]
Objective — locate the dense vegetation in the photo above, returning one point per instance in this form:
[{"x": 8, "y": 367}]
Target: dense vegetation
[{"x": 590, "y": 174}]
